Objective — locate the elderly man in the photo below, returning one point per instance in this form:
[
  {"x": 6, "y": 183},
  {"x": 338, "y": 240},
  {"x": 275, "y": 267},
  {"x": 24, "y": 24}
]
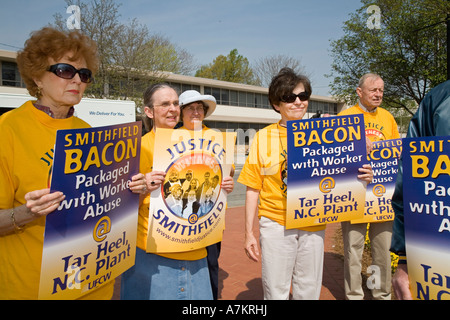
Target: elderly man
[{"x": 379, "y": 125}]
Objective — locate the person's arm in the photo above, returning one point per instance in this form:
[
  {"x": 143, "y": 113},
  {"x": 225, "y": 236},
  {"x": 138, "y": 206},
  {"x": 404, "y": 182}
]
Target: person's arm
[
  {"x": 39, "y": 203},
  {"x": 366, "y": 173},
  {"x": 154, "y": 180},
  {"x": 251, "y": 209},
  {"x": 228, "y": 184},
  {"x": 138, "y": 184},
  {"x": 369, "y": 145},
  {"x": 400, "y": 283}
]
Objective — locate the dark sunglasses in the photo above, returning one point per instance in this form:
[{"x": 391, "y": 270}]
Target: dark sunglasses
[
  {"x": 289, "y": 98},
  {"x": 66, "y": 71}
]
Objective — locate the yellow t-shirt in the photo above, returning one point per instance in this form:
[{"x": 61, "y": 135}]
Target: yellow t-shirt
[
  {"x": 26, "y": 157},
  {"x": 379, "y": 125},
  {"x": 265, "y": 170},
  {"x": 146, "y": 165}
]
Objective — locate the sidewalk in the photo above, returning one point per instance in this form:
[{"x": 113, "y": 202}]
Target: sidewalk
[{"x": 240, "y": 278}]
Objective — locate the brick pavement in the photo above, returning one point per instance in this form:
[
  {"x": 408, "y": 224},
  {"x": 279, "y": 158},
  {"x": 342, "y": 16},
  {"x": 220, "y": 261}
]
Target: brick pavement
[{"x": 240, "y": 278}]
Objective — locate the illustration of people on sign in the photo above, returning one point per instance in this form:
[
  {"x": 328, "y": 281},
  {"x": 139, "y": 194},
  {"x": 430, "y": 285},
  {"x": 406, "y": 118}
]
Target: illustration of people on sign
[
  {"x": 193, "y": 186},
  {"x": 215, "y": 187},
  {"x": 204, "y": 187},
  {"x": 173, "y": 180},
  {"x": 191, "y": 205},
  {"x": 174, "y": 200},
  {"x": 186, "y": 186},
  {"x": 208, "y": 203},
  {"x": 190, "y": 195}
]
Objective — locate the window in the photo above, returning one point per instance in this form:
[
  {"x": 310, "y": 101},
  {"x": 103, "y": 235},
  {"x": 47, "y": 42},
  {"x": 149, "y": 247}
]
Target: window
[
  {"x": 10, "y": 74},
  {"x": 177, "y": 87},
  {"x": 242, "y": 99},
  {"x": 225, "y": 97},
  {"x": 231, "y": 97},
  {"x": 266, "y": 104},
  {"x": 182, "y": 87},
  {"x": 216, "y": 94},
  {"x": 185, "y": 87},
  {"x": 332, "y": 108},
  {"x": 312, "y": 106},
  {"x": 250, "y": 99},
  {"x": 323, "y": 107},
  {"x": 258, "y": 100},
  {"x": 234, "y": 100}
]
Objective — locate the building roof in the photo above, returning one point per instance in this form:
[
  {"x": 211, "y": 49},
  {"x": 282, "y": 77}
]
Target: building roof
[{"x": 224, "y": 113}]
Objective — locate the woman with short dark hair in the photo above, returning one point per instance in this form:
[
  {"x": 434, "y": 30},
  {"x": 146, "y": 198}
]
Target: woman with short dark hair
[{"x": 290, "y": 258}]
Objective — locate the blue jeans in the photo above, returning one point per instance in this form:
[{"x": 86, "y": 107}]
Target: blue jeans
[{"x": 157, "y": 278}]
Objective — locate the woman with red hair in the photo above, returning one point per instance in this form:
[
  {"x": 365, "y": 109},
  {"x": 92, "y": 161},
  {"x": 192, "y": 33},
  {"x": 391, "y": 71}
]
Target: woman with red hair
[{"x": 56, "y": 67}]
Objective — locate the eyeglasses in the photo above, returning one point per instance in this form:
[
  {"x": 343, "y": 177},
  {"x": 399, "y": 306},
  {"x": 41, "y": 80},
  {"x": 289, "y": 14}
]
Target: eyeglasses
[
  {"x": 195, "y": 108},
  {"x": 289, "y": 98},
  {"x": 67, "y": 71}
]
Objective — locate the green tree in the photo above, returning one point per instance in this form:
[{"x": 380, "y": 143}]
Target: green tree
[
  {"x": 232, "y": 68},
  {"x": 409, "y": 55}
]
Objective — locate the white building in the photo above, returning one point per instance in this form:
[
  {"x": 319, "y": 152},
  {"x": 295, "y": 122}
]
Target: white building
[{"x": 239, "y": 106}]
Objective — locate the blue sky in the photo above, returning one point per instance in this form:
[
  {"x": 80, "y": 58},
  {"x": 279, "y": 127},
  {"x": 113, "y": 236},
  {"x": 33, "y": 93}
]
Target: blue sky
[{"x": 257, "y": 28}]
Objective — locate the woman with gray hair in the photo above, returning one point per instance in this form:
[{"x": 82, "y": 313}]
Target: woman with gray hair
[{"x": 162, "y": 276}]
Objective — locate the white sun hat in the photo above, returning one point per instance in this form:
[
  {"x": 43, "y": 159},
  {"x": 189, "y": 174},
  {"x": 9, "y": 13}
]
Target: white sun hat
[{"x": 190, "y": 96}]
